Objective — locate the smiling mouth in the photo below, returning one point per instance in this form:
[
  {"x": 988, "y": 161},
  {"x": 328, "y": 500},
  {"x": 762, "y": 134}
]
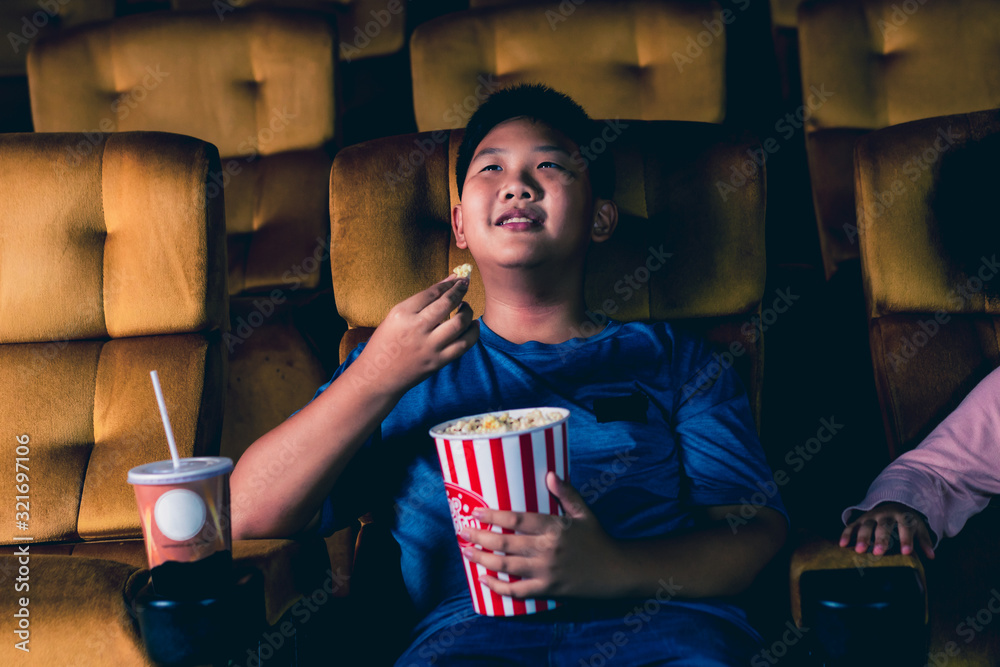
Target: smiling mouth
[{"x": 518, "y": 220}]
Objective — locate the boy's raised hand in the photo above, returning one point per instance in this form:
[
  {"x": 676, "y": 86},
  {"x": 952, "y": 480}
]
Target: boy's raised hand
[
  {"x": 567, "y": 555},
  {"x": 881, "y": 520},
  {"x": 417, "y": 337}
]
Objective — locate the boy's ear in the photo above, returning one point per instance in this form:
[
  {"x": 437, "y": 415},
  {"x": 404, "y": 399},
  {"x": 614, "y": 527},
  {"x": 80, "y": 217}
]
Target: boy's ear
[
  {"x": 605, "y": 220},
  {"x": 457, "y": 226}
]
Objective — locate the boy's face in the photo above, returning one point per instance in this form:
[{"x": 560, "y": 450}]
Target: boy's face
[{"x": 526, "y": 202}]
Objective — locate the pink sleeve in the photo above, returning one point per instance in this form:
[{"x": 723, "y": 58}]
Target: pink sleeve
[{"x": 951, "y": 475}]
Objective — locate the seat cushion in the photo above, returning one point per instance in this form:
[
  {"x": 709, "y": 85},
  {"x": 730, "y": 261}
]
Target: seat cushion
[{"x": 77, "y": 609}]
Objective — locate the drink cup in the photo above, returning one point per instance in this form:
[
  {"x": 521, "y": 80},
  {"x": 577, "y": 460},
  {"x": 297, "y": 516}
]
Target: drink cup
[
  {"x": 186, "y": 525},
  {"x": 503, "y": 471}
]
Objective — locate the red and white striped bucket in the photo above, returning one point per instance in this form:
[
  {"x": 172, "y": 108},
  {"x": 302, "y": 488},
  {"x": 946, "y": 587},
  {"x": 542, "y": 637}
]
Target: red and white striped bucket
[{"x": 505, "y": 471}]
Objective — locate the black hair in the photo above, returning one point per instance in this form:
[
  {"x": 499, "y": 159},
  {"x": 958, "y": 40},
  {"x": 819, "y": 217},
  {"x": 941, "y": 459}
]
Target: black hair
[{"x": 552, "y": 108}]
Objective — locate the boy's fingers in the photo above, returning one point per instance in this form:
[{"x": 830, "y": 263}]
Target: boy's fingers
[
  {"x": 424, "y": 298},
  {"x": 437, "y": 311},
  {"x": 525, "y": 588},
  {"x": 526, "y": 523},
  {"x": 451, "y": 328},
  {"x": 462, "y": 344},
  {"x": 512, "y": 565}
]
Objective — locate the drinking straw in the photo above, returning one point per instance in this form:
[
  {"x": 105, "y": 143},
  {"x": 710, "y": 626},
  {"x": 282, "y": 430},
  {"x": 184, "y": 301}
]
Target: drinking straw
[{"x": 166, "y": 419}]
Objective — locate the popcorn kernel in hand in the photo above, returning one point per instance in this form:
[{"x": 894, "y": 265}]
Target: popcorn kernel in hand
[{"x": 463, "y": 271}]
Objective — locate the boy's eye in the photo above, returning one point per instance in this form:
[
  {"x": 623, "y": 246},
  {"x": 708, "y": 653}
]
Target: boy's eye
[
  {"x": 551, "y": 164},
  {"x": 491, "y": 167}
]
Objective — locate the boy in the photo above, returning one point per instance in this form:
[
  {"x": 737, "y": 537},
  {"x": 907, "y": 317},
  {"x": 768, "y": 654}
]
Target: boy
[{"x": 529, "y": 208}]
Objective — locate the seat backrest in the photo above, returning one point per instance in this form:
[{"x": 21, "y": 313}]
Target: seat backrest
[
  {"x": 112, "y": 264},
  {"x": 367, "y": 28},
  {"x": 929, "y": 240},
  {"x": 683, "y": 250},
  {"x": 259, "y": 84},
  {"x": 634, "y": 59},
  {"x": 868, "y": 64}
]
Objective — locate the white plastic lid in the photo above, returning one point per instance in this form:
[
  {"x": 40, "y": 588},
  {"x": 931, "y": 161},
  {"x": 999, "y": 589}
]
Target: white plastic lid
[{"x": 191, "y": 469}]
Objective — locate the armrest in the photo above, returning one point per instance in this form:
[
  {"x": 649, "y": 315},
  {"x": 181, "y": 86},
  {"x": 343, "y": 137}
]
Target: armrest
[
  {"x": 851, "y": 602},
  {"x": 818, "y": 554},
  {"x": 341, "y": 548}
]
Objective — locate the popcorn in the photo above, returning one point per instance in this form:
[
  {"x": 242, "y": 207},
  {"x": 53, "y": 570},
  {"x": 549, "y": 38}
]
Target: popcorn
[
  {"x": 501, "y": 422},
  {"x": 463, "y": 271}
]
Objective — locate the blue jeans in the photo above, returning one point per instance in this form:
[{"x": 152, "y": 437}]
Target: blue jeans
[{"x": 675, "y": 635}]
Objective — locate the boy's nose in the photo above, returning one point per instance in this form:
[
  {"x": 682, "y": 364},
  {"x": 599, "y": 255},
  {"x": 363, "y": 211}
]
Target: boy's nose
[{"x": 520, "y": 188}]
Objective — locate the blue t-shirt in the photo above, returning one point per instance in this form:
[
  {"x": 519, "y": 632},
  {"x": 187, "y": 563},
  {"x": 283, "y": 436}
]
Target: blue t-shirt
[{"x": 656, "y": 428}]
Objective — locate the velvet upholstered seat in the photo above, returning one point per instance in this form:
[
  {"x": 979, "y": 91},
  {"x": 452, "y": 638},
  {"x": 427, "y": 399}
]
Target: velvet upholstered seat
[
  {"x": 881, "y": 63},
  {"x": 694, "y": 259},
  {"x": 929, "y": 262},
  {"x": 112, "y": 264},
  {"x": 259, "y": 85},
  {"x": 929, "y": 247}
]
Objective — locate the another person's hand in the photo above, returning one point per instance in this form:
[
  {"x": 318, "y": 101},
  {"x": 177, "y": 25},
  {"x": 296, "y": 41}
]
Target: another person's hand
[
  {"x": 881, "y": 520},
  {"x": 418, "y": 338},
  {"x": 555, "y": 556}
]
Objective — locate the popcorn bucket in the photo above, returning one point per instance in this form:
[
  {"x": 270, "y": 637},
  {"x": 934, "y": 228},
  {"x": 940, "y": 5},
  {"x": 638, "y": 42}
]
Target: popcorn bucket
[{"x": 502, "y": 470}]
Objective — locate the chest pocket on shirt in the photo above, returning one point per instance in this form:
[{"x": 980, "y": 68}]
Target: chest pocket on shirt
[{"x": 630, "y": 408}]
